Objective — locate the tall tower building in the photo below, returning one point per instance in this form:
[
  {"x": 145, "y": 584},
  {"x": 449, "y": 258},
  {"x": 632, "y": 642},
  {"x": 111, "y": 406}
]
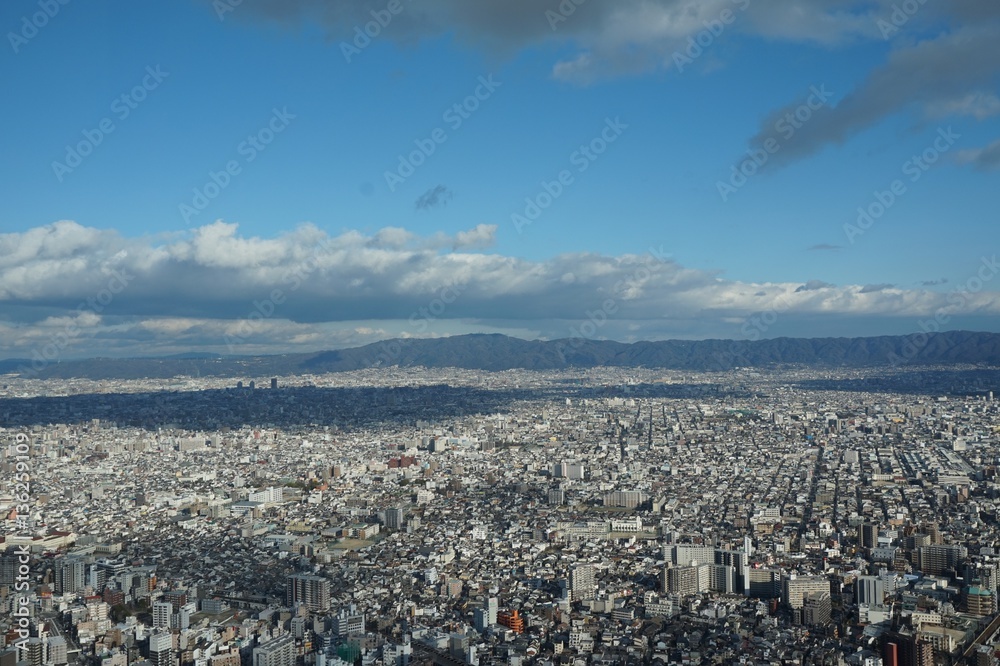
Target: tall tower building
[
  {"x": 161, "y": 649},
  {"x": 313, "y": 592},
  {"x": 581, "y": 581},
  {"x": 162, "y": 610},
  {"x": 869, "y": 535},
  {"x": 70, "y": 575},
  {"x": 394, "y": 518},
  {"x": 869, "y": 590},
  {"x": 276, "y": 652}
]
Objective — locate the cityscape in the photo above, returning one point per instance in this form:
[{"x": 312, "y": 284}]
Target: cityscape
[
  {"x": 500, "y": 333},
  {"x": 444, "y": 516}
]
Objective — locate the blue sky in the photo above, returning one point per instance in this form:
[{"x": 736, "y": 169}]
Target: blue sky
[{"x": 277, "y": 70}]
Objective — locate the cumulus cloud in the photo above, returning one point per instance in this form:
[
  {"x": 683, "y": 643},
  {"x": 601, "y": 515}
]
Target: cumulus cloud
[{"x": 219, "y": 290}]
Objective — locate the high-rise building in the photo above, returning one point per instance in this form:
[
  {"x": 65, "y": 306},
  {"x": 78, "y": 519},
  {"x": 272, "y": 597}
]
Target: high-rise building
[
  {"x": 162, "y": 612},
  {"x": 688, "y": 580},
  {"x": 8, "y": 569},
  {"x": 869, "y": 590},
  {"x": 487, "y": 615},
  {"x": 763, "y": 583},
  {"x": 722, "y": 578},
  {"x": 278, "y": 651},
  {"x": 687, "y": 554},
  {"x": 568, "y": 471},
  {"x": 349, "y": 621},
  {"x": 979, "y": 601},
  {"x": 868, "y": 535},
  {"x": 739, "y": 560},
  {"x": 581, "y": 581},
  {"x": 161, "y": 649},
  {"x": 905, "y": 650},
  {"x": 935, "y": 558},
  {"x": 394, "y": 518},
  {"x": 492, "y": 608},
  {"x": 70, "y": 575},
  {"x": 816, "y": 608},
  {"x": 34, "y": 649},
  {"x": 58, "y": 652},
  {"x": 313, "y": 592},
  {"x": 793, "y": 590}
]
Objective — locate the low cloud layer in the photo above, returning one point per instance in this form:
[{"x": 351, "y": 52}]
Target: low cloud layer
[{"x": 92, "y": 291}]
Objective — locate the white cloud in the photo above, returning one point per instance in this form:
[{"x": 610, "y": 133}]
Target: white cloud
[{"x": 304, "y": 290}]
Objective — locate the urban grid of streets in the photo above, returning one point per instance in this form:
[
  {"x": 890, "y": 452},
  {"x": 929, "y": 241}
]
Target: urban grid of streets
[{"x": 608, "y": 516}]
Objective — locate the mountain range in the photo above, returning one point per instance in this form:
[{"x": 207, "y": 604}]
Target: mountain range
[{"x": 496, "y": 352}]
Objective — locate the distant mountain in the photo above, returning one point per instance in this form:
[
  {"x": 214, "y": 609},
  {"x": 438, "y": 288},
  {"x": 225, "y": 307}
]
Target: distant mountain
[{"x": 500, "y": 352}]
